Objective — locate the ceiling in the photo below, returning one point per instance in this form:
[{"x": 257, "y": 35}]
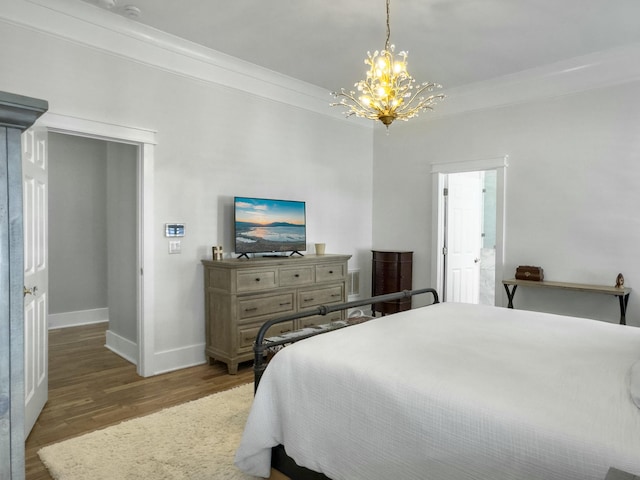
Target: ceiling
[{"x": 451, "y": 42}]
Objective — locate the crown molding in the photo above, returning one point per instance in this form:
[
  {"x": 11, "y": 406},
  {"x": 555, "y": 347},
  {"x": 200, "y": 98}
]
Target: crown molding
[
  {"x": 580, "y": 74},
  {"x": 87, "y": 25}
]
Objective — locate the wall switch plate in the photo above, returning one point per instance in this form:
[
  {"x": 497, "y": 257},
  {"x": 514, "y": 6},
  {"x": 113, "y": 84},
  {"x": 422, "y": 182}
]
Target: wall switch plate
[{"x": 175, "y": 246}]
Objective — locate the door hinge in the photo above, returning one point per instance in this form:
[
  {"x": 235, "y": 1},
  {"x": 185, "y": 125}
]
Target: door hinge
[
  {"x": 445, "y": 192},
  {"x": 444, "y": 250}
]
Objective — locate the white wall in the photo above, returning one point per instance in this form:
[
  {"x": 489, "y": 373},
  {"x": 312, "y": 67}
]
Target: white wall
[
  {"x": 122, "y": 272},
  {"x": 77, "y": 224},
  {"x": 571, "y": 196},
  {"x": 214, "y": 142}
]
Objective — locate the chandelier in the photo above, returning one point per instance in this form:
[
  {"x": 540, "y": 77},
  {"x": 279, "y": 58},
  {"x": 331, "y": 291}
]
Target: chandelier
[{"x": 389, "y": 92}]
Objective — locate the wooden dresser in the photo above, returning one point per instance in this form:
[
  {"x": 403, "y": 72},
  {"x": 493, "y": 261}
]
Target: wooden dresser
[
  {"x": 391, "y": 271},
  {"x": 241, "y": 294}
]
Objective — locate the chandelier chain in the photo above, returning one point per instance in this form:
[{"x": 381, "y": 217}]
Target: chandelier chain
[{"x": 386, "y": 44}]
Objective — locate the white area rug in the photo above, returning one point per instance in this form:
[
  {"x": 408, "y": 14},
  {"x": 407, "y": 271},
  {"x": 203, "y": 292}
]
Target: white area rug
[{"x": 193, "y": 441}]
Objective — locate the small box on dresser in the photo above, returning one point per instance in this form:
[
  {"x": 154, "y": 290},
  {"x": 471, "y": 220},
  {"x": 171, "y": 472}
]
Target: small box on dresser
[{"x": 242, "y": 294}]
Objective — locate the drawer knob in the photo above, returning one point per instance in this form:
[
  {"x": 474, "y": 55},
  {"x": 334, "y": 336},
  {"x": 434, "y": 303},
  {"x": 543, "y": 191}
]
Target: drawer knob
[
  {"x": 330, "y": 271},
  {"x": 285, "y": 303},
  {"x": 253, "y": 309},
  {"x": 308, "y": 300},
  {"x": 336, "y": 294},
  {"x": 297, "y": 275},
  {"x": 258, "y": 279}
]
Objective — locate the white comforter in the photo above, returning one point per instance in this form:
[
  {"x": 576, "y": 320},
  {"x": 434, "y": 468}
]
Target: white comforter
[{"x": 452, "y": 391}]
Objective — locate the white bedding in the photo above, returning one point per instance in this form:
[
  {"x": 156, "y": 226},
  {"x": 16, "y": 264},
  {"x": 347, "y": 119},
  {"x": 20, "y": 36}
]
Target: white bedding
[{"x": 452, "y": 391}]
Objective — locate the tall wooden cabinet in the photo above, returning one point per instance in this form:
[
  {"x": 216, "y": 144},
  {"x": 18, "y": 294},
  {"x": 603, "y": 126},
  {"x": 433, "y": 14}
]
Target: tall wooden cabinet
[
  {"x": 242, "y": 294},
  {"x": 392, "y": 271}
]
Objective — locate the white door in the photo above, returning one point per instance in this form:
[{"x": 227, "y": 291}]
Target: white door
[
  {"x": 464, "y": 237},
  {"x": 34, "y": 175}
]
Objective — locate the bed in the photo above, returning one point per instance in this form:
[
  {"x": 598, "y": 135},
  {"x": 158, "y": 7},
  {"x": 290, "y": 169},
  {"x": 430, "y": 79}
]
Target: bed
[{"x": 452, "y": 391}]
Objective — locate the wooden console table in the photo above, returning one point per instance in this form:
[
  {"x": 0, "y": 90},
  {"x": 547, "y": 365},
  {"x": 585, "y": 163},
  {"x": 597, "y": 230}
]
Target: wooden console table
[{"x": 621, "y": 293}]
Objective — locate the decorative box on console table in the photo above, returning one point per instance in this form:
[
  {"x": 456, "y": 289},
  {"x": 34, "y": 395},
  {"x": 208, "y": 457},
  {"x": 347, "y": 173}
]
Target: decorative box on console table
[
  {"x": 526, "y": 272},
  {"x": 241, "y": 294}
]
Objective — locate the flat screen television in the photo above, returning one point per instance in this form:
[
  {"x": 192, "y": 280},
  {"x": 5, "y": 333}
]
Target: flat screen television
[{"x": 269, "y": 226}]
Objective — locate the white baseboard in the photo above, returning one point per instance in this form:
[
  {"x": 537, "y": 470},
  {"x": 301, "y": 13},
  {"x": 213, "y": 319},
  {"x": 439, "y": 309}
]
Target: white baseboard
[
  {"x": 185, "y": 357},
  {"x": 77, "y": 318},
  {"x": 122, "y": 346}
]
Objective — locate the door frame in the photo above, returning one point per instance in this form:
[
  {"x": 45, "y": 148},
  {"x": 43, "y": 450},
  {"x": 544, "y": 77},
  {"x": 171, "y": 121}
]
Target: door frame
[
  {"x": 438, "y": 173},
  {"x": 145, "y": 140}
]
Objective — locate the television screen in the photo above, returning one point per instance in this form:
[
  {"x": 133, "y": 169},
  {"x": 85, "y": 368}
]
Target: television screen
[{"x": 264, "y": 225}]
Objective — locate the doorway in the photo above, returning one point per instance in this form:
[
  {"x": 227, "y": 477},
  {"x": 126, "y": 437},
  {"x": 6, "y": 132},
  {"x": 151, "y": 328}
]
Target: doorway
[
  {"x": 469, "y": 237},
  {"x": 92, "y": 237},
  {"x": 145, "y": 141},
  {"x": 468, "y": 230}
]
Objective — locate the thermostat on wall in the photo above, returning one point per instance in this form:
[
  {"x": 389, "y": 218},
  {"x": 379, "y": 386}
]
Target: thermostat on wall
[{"x": 174, "y": 229}]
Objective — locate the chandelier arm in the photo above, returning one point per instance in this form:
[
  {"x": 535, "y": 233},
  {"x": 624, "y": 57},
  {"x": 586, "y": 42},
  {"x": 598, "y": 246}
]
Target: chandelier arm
[
  {"x": 364, "y": 108},
  {"x": 426, "y": 104},
  {"x": 408, "y": 104},
  {"x": 368, "y": 89}
]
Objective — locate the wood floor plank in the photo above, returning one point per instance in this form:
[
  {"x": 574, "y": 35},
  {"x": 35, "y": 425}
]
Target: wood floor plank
[{"x": 91, "y": 387}]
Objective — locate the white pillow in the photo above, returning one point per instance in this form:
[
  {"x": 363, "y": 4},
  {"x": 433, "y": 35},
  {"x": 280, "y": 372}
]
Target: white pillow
[{"x": 634, "y": 383}]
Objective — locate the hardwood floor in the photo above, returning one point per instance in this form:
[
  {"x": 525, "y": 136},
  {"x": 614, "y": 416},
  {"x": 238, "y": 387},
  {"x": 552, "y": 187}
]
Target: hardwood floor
[{"x": 91, "y": 387}]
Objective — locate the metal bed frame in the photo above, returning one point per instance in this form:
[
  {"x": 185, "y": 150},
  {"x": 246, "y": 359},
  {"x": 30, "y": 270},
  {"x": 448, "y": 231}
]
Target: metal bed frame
[{"x": 280, "y": 461}]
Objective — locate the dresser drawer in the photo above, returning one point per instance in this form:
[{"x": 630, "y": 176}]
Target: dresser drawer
[
  {"x": 247, "y": 334},
  {"x": 257, "y": 280},
  {"x": 319, "y": 320},
  {"x": 320, "y": 296},
  {"x": 334, "y": 271},
  {"x": 256, "y": 306},
  {"x": 291, "y": 277}
]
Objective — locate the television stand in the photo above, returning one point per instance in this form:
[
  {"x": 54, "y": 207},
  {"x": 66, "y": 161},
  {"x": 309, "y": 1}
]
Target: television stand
[
  {"x": 241, "y": 295},
  {"x": 243, "y": 255},
  {"x": 294, "y": 252}
]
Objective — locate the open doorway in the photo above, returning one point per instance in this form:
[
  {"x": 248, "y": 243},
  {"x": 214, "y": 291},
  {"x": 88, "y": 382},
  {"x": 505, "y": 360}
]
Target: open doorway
[
  {"x": 144, "y": 141},
  {"x": 468, "y": 230},
  {"x": 469, "y": 237},
  {"x": 92, "y": 231}
]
